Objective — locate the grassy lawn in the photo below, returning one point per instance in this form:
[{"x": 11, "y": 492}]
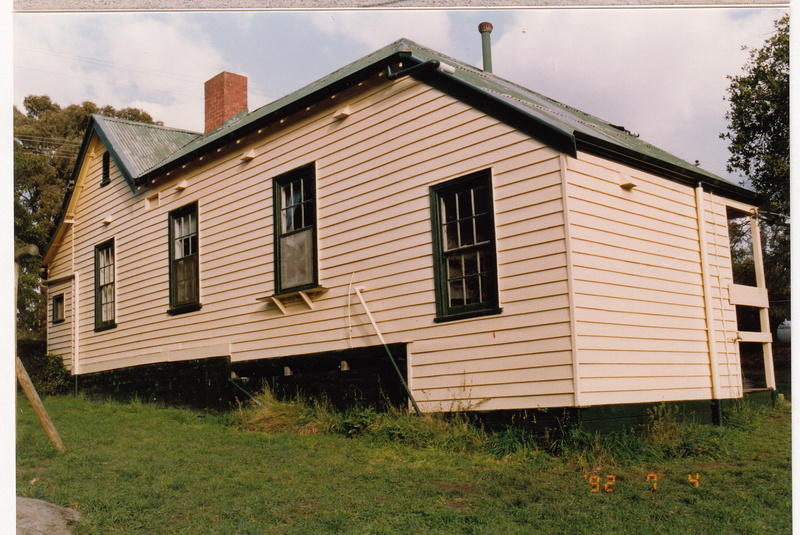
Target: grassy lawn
[{"x": 137, "y": 468}]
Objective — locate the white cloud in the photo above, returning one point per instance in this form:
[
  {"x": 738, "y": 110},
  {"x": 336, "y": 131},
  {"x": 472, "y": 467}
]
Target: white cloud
[
  {"x": 157, "y": 64},
  {"x": 377, "y": 28},
  {"x": 661, "y": 73}
]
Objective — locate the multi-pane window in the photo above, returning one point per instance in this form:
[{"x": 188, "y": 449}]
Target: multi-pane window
[
  {"x": 104, "y": 287},
  {"x": 295, "y": 233},
  {"x": 464, "y": 247},
  {"x": 184, "y": 272},
  {"x": 58, "y": 308}
]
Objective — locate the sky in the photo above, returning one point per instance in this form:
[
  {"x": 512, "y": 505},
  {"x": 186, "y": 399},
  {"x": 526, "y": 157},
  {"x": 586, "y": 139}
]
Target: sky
[{"x": 661, "y": 73}]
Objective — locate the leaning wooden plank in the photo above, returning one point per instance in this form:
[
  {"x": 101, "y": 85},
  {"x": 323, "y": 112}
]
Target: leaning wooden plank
[{"x": 38, "y": 407}]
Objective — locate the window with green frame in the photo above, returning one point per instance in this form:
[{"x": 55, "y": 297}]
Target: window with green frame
[
  {"x": 464, "y": 248},
  {"x": 184, "y": 260},
  {"x": 58, "y": 308},
  {"x": 295, "y": 230},
  {"x": 104, "y": 286}
]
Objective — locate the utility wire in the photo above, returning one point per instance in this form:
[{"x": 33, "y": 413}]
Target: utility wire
[{"x": 127, "y": 67}]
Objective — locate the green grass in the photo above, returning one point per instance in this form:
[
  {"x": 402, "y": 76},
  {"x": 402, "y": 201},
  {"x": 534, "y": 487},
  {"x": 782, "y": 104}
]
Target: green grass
[{"x": 296, "y": 468}]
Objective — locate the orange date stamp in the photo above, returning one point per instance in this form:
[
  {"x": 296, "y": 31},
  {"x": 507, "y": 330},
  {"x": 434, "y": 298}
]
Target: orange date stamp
[{"x": 595, "y": 481}]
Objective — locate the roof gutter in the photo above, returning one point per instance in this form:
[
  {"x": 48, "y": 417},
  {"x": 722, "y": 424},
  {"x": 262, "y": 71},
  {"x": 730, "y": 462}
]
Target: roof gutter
[{"x": 677, "y": 173}]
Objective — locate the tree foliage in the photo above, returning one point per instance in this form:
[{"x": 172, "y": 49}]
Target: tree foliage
[
  {"x": 47, "y": 139},
  {"x": 758, "y": 135},
  {"x": 758, "y": 122}
]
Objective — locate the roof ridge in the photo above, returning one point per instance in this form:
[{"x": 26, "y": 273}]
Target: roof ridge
[{"x": 142, "y": 124}]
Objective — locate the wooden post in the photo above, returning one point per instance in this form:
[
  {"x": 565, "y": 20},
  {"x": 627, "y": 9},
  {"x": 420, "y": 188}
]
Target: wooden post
[
  {"x": 38, "y": 407},
  {"x": 22, "y": 375}
]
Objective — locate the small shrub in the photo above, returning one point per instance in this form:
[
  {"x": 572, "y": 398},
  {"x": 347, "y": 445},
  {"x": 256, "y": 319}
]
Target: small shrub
[
  {"x": 512, "y": 440},
  {"x": 743, "y": 415},
  {"x": 47, "y": 373},
  {"x": 701, "y": 441},
  {"x": 270, "y": 415},
  {"x": 661, "y": 428},
  {"x": 353, "y": 423}
]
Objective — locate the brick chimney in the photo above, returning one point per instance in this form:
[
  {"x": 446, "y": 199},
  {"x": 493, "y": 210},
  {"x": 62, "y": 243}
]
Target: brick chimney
[{"x": 226, "y": 96}]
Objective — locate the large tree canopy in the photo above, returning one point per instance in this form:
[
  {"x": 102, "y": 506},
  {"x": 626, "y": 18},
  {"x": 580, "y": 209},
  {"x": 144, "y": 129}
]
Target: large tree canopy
[
  {"x": 758, "y": 132},
  {"x": 758, "y": 122},
  {"x": 47, "y": 138}
]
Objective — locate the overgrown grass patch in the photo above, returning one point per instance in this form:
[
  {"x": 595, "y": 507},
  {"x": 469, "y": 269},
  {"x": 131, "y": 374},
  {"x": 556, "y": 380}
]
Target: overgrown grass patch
[{"x": 301, "y": 467}]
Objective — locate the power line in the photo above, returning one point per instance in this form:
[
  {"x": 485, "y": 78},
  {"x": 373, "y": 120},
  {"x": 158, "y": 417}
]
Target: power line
[
  {"x": 127, "y": 67},
  {"x": 108, "y": 82}
]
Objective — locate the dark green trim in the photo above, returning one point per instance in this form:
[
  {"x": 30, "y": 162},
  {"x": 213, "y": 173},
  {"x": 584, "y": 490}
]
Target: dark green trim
[
  {"x": 176, "y": 308},
  {"x": 91, "y": 129},
  {"x": 445, "y": 312},
  {"x": 468, "y": 315},
  {"x": 499, "y": 109},
  {"x": 671, "y": 171},
  {"x": 307, "y": 171},
  {"x": 295, "y": 102},
  {"x": 118, "y": 160},
  {"x": 184, "y": 309},
  {"x": 99, "y": 324},
  {"x": 105, "y": 327}
]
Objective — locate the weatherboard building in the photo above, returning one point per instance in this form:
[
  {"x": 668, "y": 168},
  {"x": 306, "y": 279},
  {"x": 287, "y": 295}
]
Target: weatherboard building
[{"x": 505, "y": 251}]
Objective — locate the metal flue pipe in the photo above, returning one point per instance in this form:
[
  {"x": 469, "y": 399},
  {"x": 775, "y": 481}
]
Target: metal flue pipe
[{"x": 486, "y": 29}]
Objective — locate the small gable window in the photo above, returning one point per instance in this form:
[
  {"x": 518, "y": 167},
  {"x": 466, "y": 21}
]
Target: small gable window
[
  {"x": 58, "y": 308},
  {"x": 104, "y": 286},
  {"x": 465, "y": 264},
  {"x": 184, "y": 261},
  {"x": 106, "y": 169}
]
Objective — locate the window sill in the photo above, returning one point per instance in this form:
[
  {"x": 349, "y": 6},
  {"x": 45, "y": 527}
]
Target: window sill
[
  {"x": 56, "y": 322},
  {"x": 184, "y": 309},
  {"x": 306, "y": 295},
  {"x": 106, "y": 327},
  {"x": 468, "y": 315}
]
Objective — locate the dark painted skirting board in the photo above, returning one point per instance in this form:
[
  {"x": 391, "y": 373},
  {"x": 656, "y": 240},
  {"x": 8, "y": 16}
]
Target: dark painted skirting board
[
  {"x": 367, "y": 379},
  {"x": 371, "y": 380},
  {"x": 201, "y": 383}
]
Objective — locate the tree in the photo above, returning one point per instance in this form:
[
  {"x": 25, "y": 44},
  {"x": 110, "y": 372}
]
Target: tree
[
  {"x": 758, "y": 132},
  {"x": 47, "y": 139}
]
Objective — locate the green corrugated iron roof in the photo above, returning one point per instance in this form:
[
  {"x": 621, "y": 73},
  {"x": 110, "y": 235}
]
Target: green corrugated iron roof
[
  {"x": 146, "y": 152},
  {"x": 140, "y": 147}
]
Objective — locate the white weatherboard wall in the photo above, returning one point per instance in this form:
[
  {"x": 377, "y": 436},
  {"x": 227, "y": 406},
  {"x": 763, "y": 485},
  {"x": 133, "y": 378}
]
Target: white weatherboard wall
[
  {"x": 373, "y": 170},
  {"x": 638, "y": 283}
]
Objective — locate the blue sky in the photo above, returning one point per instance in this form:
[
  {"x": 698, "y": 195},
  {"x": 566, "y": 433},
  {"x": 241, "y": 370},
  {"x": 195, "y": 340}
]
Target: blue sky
[{"x": 659, "y": 72}]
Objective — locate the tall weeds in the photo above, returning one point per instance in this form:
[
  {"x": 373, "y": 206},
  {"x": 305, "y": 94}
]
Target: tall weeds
[{"x": 662, "y": 437}]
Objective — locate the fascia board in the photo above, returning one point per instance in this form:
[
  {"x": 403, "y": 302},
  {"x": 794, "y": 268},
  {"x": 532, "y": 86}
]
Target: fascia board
[
  {"x": 674, "y": 172},
  {"x": 549, "y": 134},
  {"x": 68, "y": 204},
  {"x": 122, "y": 162},
  {"x": 271, "y": 113}
]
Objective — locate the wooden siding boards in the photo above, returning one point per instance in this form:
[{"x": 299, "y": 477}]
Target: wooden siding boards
[
  {"x": 592, "y": 277},
  {"x": 638, "y": 287},
  {"x": 373, "y": 173}
]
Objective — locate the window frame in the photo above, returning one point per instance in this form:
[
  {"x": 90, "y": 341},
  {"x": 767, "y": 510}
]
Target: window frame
[
  {"x": 181, "y": 307},
  {"x": 307, "y": 171},
  {"x": 55, "y": 317},
  {"x": 491, "y": 306},
  {"x": 99, "y": 323}
]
